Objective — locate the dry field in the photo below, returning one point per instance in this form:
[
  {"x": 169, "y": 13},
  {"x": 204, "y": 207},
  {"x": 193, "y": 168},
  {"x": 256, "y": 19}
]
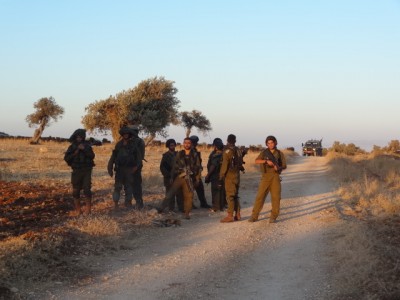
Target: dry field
[{"x": 40, "y": 246}]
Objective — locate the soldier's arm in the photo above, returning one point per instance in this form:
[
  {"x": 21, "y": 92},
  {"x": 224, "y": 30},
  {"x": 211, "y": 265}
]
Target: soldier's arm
[{"x": 225, "y": 164}]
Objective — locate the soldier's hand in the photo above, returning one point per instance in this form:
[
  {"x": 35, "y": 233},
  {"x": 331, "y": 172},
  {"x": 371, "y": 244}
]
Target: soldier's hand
[{"x": 207, "y": 179}]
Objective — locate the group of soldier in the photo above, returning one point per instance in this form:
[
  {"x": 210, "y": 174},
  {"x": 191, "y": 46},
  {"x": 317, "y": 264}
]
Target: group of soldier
[{"x": 181, "y": 171}]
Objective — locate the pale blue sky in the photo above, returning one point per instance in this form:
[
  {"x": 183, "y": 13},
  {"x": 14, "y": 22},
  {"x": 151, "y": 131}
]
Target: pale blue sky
[{"x": 294, "y": 69}]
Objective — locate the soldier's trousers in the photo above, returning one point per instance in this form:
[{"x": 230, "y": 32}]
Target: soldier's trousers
[
  {"x": 179, "y": 184},
  {"x": 269, "y": 183},
  {"x": 232, "y": 181},
  {"x": 81, "y": 179},
  {"x": 201, "y": 194},
  {"x": 137, "y": 188},
  {"x": 218, "y": 195},
  {"x": 178, "y": 196},
  {"x": 123, "y": 179}
]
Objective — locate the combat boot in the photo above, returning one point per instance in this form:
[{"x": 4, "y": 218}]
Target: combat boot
[
  {"x": 228, "y": 218},
  {"x": 88, "y": 205},
  {"x": 77, "y": 208},
  {"x": 237, "y": 217}
]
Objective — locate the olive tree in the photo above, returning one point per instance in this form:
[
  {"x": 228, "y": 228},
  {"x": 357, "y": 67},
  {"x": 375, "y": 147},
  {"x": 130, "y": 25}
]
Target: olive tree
[
  {"x": 151, "y": 105},
  {"x": 46, "y": 110},
  {"x": 194, "y": 119}
]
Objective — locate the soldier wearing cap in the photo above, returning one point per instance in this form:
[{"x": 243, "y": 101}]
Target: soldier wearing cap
[
  {"x": 80, "y": 157},
  {"x": 271, "y": 167},
  {"x": 200, "y": 187},
  {"x": 166, "y": 166},
  {"x": 213, "y": 168},
  {"x": 125, "y": 162}
]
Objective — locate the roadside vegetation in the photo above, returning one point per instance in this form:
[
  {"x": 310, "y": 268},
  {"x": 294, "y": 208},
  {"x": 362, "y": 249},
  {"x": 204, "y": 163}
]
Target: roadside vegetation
[{"x": 368, "y": 249}]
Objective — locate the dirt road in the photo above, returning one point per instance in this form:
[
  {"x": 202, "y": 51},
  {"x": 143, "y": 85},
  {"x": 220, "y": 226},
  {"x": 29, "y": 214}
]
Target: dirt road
[{"x": 204, "y": 259}]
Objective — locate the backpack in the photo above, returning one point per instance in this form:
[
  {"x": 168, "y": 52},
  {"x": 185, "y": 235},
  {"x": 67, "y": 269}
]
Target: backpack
[{"x": 237, "y": 159}]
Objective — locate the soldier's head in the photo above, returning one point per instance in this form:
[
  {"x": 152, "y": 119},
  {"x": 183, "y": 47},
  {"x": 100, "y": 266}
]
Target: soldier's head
[
  {"x": 125, "y": 132},
  {"x": 170, "y": 144},
  {"x": 218, "y": 144},
  {"x": 231, "y": 139},
  {"x": 216, "y": 140},
  {"x": 271, "y": 142},
  {"x": 78, "y": 134},
  {"x": 187, "y": 143},
  {"x": 134, "y": 130},
  {"x": 194, "y": 139}
]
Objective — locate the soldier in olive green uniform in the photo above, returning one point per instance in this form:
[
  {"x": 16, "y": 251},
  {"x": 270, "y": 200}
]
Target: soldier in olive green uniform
[
  {"x": 79, "y": 157},
  {"x": 271, "y": 167},
  {"x": 166, "y": 166},
  {"x": 125, "y": 162},
  {"x": 232, "y": 163},
  {"x": 213, "y": 168},
  {"x": 187, "y": 173},
  {"x": 200, "y": 187},
  {"x": 137, "y": 176}
]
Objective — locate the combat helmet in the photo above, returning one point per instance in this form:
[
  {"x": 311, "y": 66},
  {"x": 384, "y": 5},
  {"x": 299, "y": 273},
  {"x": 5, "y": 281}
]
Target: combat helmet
[
  {"x": 194, "y": 139},
  {"x": 169, "y": 142},
  {"x": 125, "y": 130},
  {"x": 79, "y": 132}
]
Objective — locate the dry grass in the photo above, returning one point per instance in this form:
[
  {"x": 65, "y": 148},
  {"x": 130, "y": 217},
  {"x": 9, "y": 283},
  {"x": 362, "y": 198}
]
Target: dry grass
[{"x": 369, "y": 251}]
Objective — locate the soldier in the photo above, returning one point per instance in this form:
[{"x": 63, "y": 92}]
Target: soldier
[
  {"x": 125, "y": 162},
  {"x": 79, "y": 157},
  {"x": 200, "y": 188},
  {"x": 137, "y": 176},
  {"x": 187, "y": 173},
  {"x": 213, "y": 168},
  {"x": 272, "y": 162},
  {"x": 166, "y": 165},
  {"x": 232, "y": 163}
]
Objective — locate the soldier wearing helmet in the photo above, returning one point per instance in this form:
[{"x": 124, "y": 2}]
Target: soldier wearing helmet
[
  {"x": 213, "y": 168},
  {"x": 200, "y": 187},
  {"x": 166, "y": 165},
  {"x": 272, "y": 162},
  {"x": 125, "y": 162},
  {"x": 79, "y": 156}
]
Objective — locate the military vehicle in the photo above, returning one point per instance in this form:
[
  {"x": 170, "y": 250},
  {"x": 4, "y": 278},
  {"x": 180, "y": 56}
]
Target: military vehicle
[{"x": 312, "y": 148}]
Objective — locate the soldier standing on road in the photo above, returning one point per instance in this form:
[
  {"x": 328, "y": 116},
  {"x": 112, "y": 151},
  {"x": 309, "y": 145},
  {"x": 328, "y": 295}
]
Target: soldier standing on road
[
  {"x": 137, "y": 176},
  {"x": 187, "y": 173},
  {"x": 166, "y": 166},
  {"x": 200, "y": 188},
  {"x": 213, "y": 168},
  {"x": 79, "y": 157},
  {"x": 232, "y": 164},
  {"x": 272, "y": 162},
  {"x": 125, "y": 162}
]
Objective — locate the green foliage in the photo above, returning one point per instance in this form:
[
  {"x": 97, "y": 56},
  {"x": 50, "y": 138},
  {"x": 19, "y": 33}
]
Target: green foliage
[
  {"x": 46, "y": 109},
  {"x": 151, "y": 105},
  {"x": 349, "y": 149},
  {"x": 194, "y": 119}
]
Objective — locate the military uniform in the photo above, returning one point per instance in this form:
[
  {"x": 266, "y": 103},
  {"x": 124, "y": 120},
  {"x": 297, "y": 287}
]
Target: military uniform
[
  {"x": 270, "y": 182},
  {"x": 124, "y": 159},
  {"x": 183, "y": 162},
  {"x": 80, "y": 157},
  {"x": 137, "y": 176},
  {"x": 230, "y": 173},
  {"x": 200, "y": 186},
  {"x": 217, "y": 188},
  {"x": 166, "y": 166}
]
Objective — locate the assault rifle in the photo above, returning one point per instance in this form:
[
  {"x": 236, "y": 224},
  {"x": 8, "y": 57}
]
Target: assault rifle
[
  {"x": 272, "y": 158},
  {"x": 187, "y": 174}
]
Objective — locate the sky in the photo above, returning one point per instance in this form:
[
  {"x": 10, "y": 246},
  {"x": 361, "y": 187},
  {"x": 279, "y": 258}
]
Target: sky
[{"x": 297, "y": 70}]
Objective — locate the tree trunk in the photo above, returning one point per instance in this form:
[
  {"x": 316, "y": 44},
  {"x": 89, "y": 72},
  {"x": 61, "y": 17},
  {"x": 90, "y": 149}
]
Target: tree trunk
[
  {"x": 188, "y": 131},
  {"x": 38, "y": 133},
  {"x": 148, "y": 139}
]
